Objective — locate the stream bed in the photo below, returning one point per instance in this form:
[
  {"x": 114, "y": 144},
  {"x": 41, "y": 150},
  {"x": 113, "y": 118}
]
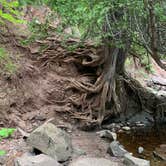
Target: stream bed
[{"x": 149, "y": 138}]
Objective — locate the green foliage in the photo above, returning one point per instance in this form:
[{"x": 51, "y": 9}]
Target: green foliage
[
  {"x": 144, "y": 57},
  {"x": 9, "y": 12},
  {"x": 30, "y": 2},
  {"x": 39, "y": 30},
  {"x": 6, "y": 64},
  {"x": 87, "y": 16},
  {"x": 2, "y": 152},
  {"x": 121, "y": 21},
  {"x": 160, "y": 11},
  {"x": 90, "y": 16},
  {"x": 6, "y": 132}
]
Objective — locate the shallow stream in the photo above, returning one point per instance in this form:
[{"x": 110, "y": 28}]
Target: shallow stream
[{"x": 149, "y": 138}]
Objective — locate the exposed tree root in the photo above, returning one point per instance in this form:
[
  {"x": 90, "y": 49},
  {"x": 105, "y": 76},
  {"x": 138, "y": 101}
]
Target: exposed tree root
[
  {"x": 103, "y": 88},
  {"x": 102, "y": 70}
]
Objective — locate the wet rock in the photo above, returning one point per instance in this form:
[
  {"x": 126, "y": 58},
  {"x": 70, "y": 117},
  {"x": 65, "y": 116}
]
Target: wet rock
[
  {"x": 126, "y": 128},
  {"x": 93, "y": 162},
  {"x": 133, "y": 161},
  {"x": 113, "y": 127},
  {"x": 39, "y": 160},
  {"x": 139, "y": 124},
  {"x": 140, "y": 150},
  {"x": 128, "y": 123},
  {"x": 51, "y": 141},
  {"x": 116, "y": 149},
  {"x": 160, "y": 152},
  {"x": 120, "y": 131},
  {"x": 107, "y": 134}
]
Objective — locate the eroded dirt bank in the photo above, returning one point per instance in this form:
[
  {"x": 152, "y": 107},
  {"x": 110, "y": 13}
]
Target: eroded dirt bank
[{"x": 41, "y": 90}]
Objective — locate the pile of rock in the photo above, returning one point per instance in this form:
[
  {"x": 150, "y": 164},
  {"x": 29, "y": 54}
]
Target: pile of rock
[
  {"x": 54, "y": 147},
  {"x": 127, "y": 126},
  {"x": 117, "y": 150}
]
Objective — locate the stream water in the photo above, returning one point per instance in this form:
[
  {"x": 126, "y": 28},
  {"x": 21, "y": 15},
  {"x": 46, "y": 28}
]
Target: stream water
[{"x": 149, "y": 138}]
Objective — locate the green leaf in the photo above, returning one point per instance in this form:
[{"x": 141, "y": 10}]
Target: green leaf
[
  {"x": 6, "y": 132},
  {"x": 2, "y": 152}
]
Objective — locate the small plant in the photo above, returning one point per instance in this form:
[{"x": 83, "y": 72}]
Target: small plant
[
  {"x": 38, "y": 31},
  {"x": 5, "y": 133},
  {"x": 9, "y": 12},
  {"x": 2, "y": 152},
  {"x": 128, "y": 61}
]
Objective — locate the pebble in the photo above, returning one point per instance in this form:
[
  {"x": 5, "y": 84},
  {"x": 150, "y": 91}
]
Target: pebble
[
  {"x": 140, "y": 150},
  {"x": 140, "y": 124},
  {"x": 126, "y": 128}
]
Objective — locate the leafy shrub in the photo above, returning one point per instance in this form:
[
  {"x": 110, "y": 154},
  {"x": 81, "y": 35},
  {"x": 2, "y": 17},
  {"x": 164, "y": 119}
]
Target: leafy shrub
[
  {"x": 9, "y": 12},
  {"x": 5, "y": 133},
  {"x": 2, "y": 152}
]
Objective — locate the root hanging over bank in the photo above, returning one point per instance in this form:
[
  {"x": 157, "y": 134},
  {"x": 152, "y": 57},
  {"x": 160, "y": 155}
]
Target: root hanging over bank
[
  {"x": 98, "y": 88},
  {"x": 101, "y": 88}
]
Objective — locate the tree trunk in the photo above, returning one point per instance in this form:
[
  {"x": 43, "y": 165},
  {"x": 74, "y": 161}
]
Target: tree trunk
[{"x": 153, "y": 32}]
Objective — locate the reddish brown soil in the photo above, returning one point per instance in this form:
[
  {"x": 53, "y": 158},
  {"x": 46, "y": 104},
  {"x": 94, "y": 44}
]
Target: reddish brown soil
[{"x": 29, "y": 100}]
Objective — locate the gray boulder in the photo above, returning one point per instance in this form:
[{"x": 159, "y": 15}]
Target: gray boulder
[
  {"x": 126, "y": 128},
  {"x": 52, "y": 141},
  {"x": 93, "y": 162},
  {"x": 107, "y": 134},
  {"x": 160, "y": 152},
  {"x": 116, "y": 149},
  {"x": 133, "y": 161},
  {"x": 39, "y": 160}
]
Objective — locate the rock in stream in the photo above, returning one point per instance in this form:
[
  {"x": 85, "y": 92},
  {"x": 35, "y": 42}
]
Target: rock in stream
[
  {"x": 116, "y": 149},
  {"x": 129, "y": 160}
]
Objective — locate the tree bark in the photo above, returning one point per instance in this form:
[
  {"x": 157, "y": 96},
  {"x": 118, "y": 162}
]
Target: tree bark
[{"x": 153, "y": 32}]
